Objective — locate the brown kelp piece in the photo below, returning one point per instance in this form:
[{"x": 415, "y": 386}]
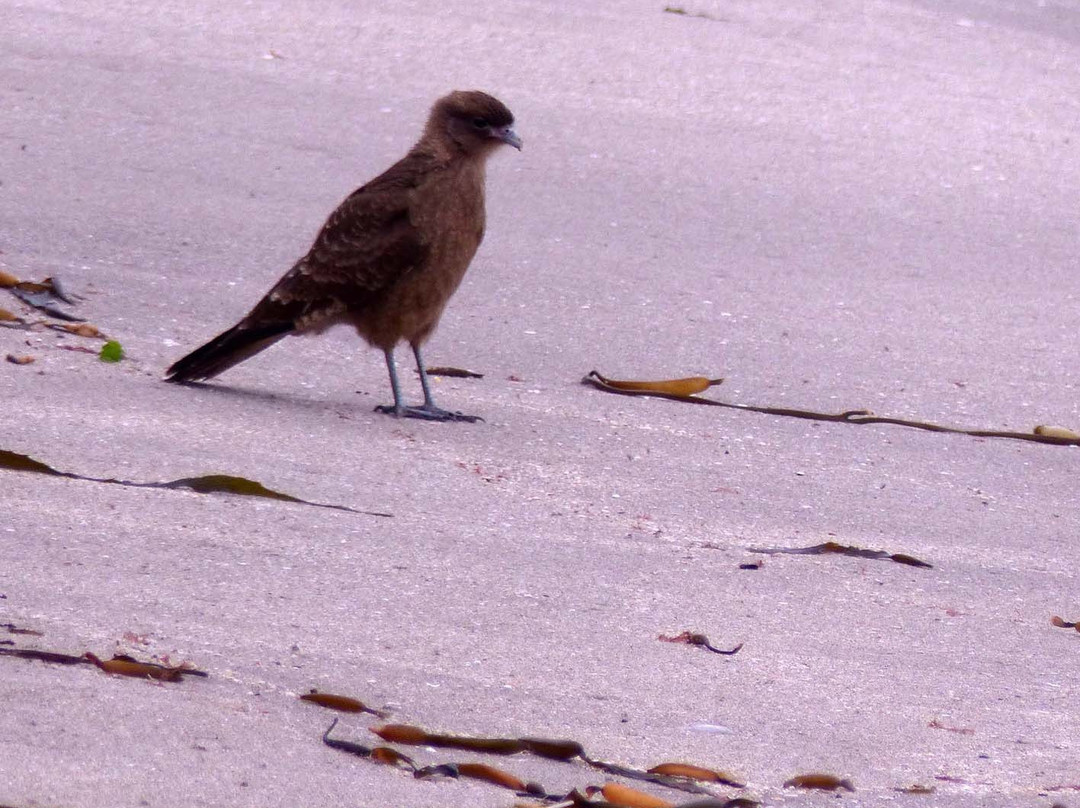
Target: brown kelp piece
[
  {"x": 679, "y": 776},
  {"x": 229, "y": 484},
  {"x": 832, "y": 547},
  {"x": 242, "y": 486},
  {"x": 205, "y": 484},
  {"x": 491, "y": 774},
  {"x": 14, "y": 461},
  {"x": 184, "y": 668},
  {"x": 331, "y": 701},
  {"x": 45, "y": 656},
  {"x": 552, "y": 749},
  {"x": 21, "y": 359},
  {"x": 79, "y": 329},
  {"x": 935, "y": 724},
  {"x": 392, "y": 757},
  {"x": 693, "y": 772},
  {"x": 679, "y": 783},
  {"x": 1056, "y": 432},
  {"x": 618, "y": 794},
  {"x": 11, "y": 628},
  {"x": 588, "y": 797},
  {"x": 402, "y": 733},
  {"x": 693, "y": 638},
  {"x": 352, "y": 748},
  {"x": 416, "y": 736},
  {"x": 126, "y": 666},
  {"x": 856, "y": 417},
  {"x": 678, "y": 389},
  {"x": 454, "y": 373},
  {"x": 1057, "y": 621},
  {"x": 344, "y": 704},
  {"x": 490, "y": 746},
  {"x": 820, "y": 782}
]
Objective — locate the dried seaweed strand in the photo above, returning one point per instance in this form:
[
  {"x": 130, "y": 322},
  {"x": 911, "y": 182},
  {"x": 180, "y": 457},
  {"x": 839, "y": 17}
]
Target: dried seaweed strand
[{"x": 855, "y": 417}]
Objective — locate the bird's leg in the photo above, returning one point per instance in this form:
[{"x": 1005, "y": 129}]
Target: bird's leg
[
  {"x": 398, "y": 408},
  {"x": 427, "y": 411},
  {"x": 425, "y": 384}
]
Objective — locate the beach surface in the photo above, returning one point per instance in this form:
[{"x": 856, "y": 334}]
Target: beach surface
[{"x": 834, "y": 206}]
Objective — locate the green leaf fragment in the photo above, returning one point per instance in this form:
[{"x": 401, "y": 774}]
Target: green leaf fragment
[{"x": 111, "y": 351}]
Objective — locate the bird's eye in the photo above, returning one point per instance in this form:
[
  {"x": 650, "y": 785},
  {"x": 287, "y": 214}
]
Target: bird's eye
[{"x": 479, "y": 123}]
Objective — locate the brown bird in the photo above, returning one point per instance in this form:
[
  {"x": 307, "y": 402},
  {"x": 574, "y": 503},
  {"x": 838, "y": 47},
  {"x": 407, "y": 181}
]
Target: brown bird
[{"x": 389, "y": 258}]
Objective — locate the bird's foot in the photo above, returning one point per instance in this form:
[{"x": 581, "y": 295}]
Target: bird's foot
[{"x": 427, "y": 412}]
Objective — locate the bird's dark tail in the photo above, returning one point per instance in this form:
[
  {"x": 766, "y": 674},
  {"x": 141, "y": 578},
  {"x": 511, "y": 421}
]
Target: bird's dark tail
[{"x": 227, "y": 349}]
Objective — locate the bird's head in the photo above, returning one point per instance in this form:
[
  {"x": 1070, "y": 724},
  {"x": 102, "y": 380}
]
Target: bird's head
[{"x": 476, "y": 122}]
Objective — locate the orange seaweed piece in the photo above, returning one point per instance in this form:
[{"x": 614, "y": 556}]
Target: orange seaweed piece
[
  {"x": 402, "y": 733},
  {"x": 490, "y": 774},
  {"x": 553, "y": 749},
  {"x": 819, "y": 781},
  {"x": 681, "y": 388},
  {"x": 123, "y": 666},
  {"x": 693, "y": 772},
  {"x": 632, "y": 798},
  {"x": 392, "y": 757},
  {"x": 344, "y": 704}
]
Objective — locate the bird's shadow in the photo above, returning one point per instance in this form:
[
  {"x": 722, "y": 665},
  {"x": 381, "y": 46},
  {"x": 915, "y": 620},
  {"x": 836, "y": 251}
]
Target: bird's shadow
[{"x": 271, "y": 397}]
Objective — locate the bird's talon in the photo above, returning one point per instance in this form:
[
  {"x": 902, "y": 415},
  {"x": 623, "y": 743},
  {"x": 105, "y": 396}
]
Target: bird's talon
[
  {"x": 468, "y": 419},
  {"x": 426, "y": 413},
  {"x": 439, "y": 414}
]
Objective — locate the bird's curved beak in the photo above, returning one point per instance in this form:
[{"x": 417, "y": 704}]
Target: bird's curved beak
[{"x": 507, "y": 135}]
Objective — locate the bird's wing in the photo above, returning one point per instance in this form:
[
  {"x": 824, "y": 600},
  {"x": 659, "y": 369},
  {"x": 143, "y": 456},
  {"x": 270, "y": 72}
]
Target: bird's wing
[{"x": 367, "y": 244}]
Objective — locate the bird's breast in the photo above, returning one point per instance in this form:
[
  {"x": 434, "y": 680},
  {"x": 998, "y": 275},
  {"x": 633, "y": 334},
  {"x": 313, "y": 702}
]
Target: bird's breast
[{"x": 448, "y": 213}]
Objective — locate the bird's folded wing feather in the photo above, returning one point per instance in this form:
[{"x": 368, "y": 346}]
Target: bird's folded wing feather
[{"x": 366, "y": 245}]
